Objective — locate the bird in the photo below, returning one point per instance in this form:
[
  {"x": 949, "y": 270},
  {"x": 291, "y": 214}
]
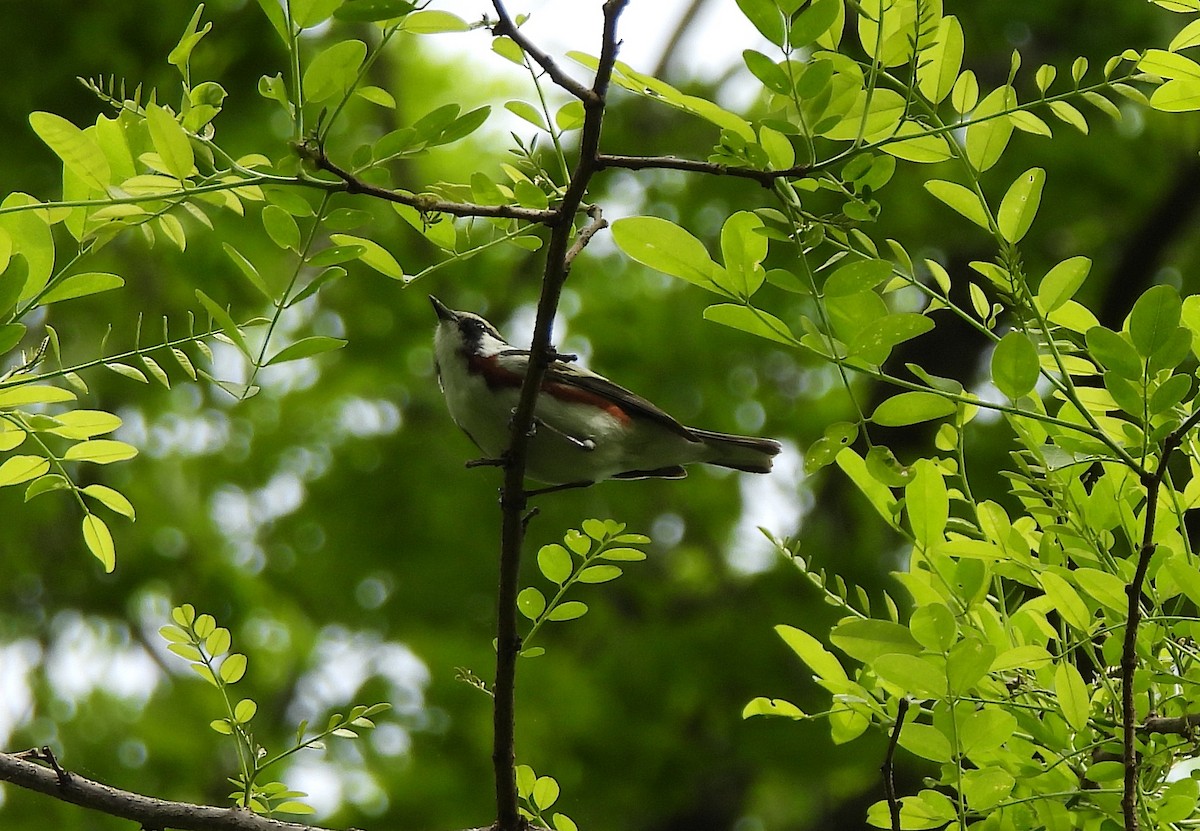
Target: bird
[{"x": 586, "y": 428}]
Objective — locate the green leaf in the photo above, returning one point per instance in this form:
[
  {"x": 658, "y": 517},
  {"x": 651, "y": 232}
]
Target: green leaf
[
  {"x": 545, "y": 792},
  {"x": 1154, "y": 319},
  {"x": 248, "y": 270},
  {"x": 99, "y": 541},
  {"x": 863, "y": 275},
  {"x": 877, "y": 339},
  {"x": 373, "y": 255},
  {"x": 1072, "y": 695},
  {"x": 80, "y": 153},
  {"x": 1015, "y": 366},
  {"x": 743, "y": 249},
  {"x": 21, "y": 396},
  {"x": 11, "y": 334},
  {"x": 111, "y": 499},
  {"x": 306, "y": 347},
  {"x": 554, "y": 563},
  {"x": 181, "y": 54},
  {"x": 968, "y": 662},
  {"x": 244, "y": 711},
  {"x": 223, "y": 320},
  {"x": 334, "y": 70},
  {"x": 1179, "y": 96},
  {"x": 749, "y": 319},
  {"x": 933, "y": 626},
  {"x": 986, "y": 140},
  {"x": 928, "y": 503},
  {"x": 281, "y": 227},
  {"x": 81, "y": 285},
  {"x": 766, "y": 17},
  {"x": 170, "y": 142},
  {"x": 100, "y": 451},
  {"x": 912, "y": 408},
  {"x": 433, "y": 23},
  {"x": 17, "y": 469},
  {"x": 813, "y": 22},
  {"x": 531, "y": 603},
  {"x": 963, "y": 200},
  {"x": 306, "y": 13},
  {"x": 938, "y": 66},
  {"x": 865, "y": 639},
  {"x": 1066, "y": 601},
  {"x": 925, "y": 741},
  {"x": 986, "y": 731},
  {"x": 294, "y": 807},
  {"x": 233, "y": 668},
  {"x": 767, "y": 71},
  {"x": 568, "y": 611},
  {"x": 623, "y": 554},
  {"x": 369, "y": 11},
  {"x": 599, "y": 574},
  {"x": 1114, "y": 351},
  {"x": 664, "y": 246},
  {"x": 526, "y": 112},
  {"x": 913, "y": 674},
  {"x": 815, "y": 656},
  {"x": 772, "y": 707},
  {"x": 1020, "y": 204},
  {"x": 1061, "y": 282}
]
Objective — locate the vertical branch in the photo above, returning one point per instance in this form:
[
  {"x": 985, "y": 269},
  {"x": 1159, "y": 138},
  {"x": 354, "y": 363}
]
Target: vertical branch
[
  {"x": 513, "y": 499},
  {"x": 888, "y": 766},
  {"x": 1153, "y": 483}
]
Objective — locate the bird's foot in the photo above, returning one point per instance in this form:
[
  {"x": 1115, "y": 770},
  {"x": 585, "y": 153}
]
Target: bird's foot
[{"x": 556, "y": 488}]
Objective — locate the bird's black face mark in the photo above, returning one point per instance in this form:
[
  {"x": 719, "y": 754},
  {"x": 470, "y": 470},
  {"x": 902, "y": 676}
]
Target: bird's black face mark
[{"x": 473, "y": 328}]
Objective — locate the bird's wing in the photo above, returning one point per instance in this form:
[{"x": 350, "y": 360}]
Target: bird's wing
[{"x": 570, "y": 376}]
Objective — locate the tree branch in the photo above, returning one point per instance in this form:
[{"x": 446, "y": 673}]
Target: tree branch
[
  {"x": 423, "y": 202},
  {"x": 1179, "y": 725},
  {"x": 148, "y": 811},
  {"x": 513, "y": 499},
  {"x": 1153, "y": 483},
  {"x": 764, "y": 177},
  {"x": 506, "y": 28}
]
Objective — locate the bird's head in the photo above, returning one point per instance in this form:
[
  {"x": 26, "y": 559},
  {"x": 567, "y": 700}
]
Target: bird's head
[{"x": 465, "y": 332}]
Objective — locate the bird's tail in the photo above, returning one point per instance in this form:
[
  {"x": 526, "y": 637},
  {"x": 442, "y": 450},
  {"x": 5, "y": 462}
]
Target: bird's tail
[{"x": 747, "y": 453}]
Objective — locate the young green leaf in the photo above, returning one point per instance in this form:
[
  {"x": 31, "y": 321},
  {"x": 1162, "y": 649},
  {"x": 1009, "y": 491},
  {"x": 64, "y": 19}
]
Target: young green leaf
[
  {"x": 666, "y": 247},
  {"x": 912, "y": 408},
  {"x": 99, "y": 541},
  {"x": 170, "y": 142},
  {"x": 1020, "y": 204},
  {"x": 80, "y": 153},
  {"x": 554, "y": 563},
  {"x": 963, "y": 200},
  {"x": 305, "y": 348},
  {"x": 373, "y": 255},
  {"x": 1015, "y": 366}
]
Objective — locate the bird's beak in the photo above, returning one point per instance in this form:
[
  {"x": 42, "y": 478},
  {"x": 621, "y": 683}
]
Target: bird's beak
[{"x": 444, "y": 312}]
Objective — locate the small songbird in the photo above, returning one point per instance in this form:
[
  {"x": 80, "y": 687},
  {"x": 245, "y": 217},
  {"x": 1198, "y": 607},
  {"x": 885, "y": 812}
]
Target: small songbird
[{"x": 586, "y": 428}]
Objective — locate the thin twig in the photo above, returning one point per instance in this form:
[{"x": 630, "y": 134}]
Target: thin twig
[
  {"x": 888, "y": 766},
  {"x": 505, "y": 27},
  {"x": 1153, "y": 483},
  {"x": 513, "y": 498},
  {"x": 423, "y": 202},
  {"x": 766, "y": 178},
  {"x": 597, "y": 224}
]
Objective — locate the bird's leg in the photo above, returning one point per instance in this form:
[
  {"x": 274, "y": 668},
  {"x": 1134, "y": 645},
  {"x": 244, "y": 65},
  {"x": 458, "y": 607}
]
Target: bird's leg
[
  {"x": 582, "y": 444},
  {"x": 557, "y": 488},
  {"x": 486, "y": 463}
]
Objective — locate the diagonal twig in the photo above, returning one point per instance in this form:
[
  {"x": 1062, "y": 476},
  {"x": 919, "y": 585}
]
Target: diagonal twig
[
  {"x": 764, "y": 177},
  {"x": 505, "y": 27}
]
